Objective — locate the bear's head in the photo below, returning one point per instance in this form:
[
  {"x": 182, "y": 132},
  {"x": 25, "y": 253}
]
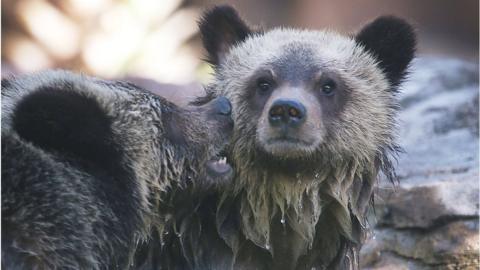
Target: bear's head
[{"x": 301, "y": 98}]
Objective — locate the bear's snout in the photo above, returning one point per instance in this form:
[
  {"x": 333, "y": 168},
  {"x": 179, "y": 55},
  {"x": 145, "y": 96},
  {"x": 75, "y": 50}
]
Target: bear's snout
[{"x": 222, "y": 106}]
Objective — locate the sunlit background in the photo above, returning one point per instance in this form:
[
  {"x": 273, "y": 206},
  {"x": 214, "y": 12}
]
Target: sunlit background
[{"x": 158, "y": 39}]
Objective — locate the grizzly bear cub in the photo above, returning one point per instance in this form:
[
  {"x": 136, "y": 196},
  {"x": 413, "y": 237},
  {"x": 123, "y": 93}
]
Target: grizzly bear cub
[
  {"x": 314, "y": 115},
  {"x": 87, "y": 165}
]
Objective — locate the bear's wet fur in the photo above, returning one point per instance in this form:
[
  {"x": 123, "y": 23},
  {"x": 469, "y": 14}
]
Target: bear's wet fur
[
  {"x": 89, "y": 165},
  {"x": 315, "y": 127}
]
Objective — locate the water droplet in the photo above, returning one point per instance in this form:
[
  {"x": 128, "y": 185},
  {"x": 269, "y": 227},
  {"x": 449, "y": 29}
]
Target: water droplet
[
  {"x": 166, "y": 233},
  {"x": 267, "y": 246},
  {"x": 179, "y": 235},
  {"x": 282, "y": 220}
]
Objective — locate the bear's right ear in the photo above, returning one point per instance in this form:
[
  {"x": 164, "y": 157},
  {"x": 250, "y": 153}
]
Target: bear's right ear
[
  {"x": 221, "y": 28},
  {"x": 392, "y": 41}
]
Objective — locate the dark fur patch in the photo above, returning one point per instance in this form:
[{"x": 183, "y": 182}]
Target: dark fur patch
[
  {"x": 5, "y": 83},
  {"x": 221, "y": 28},
  {"x": 67, "y": 122},
  {"x": 75, "y": 128},
  {"x": 393, "y": 42}
]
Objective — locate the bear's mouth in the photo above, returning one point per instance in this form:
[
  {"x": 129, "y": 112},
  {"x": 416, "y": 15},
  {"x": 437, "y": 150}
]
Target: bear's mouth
[
  {"x": 218, "y": 167},
  {"x": 288, "y": 146},
  {"x": 285, "y": 140}
]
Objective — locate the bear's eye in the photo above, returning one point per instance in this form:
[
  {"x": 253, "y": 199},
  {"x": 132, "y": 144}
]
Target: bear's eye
[
  {"x": 264, "y": 85},
  {"x": 328, "y": 87}
]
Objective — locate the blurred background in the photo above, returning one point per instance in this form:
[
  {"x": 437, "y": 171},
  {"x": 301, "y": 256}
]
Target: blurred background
[{"x": 159, "y": 40}]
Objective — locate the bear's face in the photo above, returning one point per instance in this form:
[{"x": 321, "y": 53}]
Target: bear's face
[
  {"x": 208, "y": 126},
  {"x": 299, "y": 96},
  {"x": 303, "y": 93},
  {"x": 197, "y": 136}
]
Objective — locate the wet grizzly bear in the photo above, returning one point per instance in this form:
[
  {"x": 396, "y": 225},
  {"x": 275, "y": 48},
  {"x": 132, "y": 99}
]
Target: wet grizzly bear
[
  {"x": 314, "y": 115},
  {"x": 88, "y": 166}
]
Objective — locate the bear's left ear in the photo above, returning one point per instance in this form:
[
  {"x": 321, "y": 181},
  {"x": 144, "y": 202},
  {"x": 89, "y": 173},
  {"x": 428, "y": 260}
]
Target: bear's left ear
[
  {"x": 392, "y": 41},
  {"x": 221, "y": 28}
]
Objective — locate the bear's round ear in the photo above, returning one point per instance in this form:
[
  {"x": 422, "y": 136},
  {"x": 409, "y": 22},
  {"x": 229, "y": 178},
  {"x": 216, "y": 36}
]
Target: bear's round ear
[
  {"x": 221, "y": 28},
  {"x": 392, "y": 41}
]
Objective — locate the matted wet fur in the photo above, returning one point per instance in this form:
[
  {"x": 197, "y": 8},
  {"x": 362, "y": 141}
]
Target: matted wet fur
[
  {"x": 314, "y": 116},
  {"x": 89, "y": 168}
]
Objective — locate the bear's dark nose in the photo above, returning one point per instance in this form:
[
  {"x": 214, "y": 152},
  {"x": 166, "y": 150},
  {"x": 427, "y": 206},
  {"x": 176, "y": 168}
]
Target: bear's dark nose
[
  {"x": 287, "y": 112},
  {"x": 221, "y": 105}
]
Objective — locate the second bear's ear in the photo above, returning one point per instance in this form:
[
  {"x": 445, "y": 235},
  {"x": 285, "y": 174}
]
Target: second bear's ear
[
  {"x": 392, "y": 41},
  {"x": 221, "y": 28}
]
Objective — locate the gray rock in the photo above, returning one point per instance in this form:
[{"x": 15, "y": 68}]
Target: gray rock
[
  {"x": 430, "y": 220},
  {"x": 453, "y": 245}
]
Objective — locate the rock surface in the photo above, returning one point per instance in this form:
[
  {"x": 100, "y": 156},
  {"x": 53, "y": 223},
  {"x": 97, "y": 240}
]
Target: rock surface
[{"x": 430, "y": 220}]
